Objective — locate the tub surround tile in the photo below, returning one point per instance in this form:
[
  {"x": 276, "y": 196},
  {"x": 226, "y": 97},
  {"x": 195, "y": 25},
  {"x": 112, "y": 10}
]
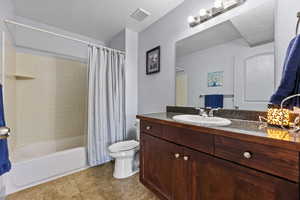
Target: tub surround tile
[{"x": 95, "y": 183}]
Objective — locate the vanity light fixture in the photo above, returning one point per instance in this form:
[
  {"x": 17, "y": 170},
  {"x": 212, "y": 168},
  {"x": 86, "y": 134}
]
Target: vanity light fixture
[
  {"x": 191, "y": 19},
  {"x": 230, "y": 3},
  {"x": 220, "y": 6},
  {"x": 204, "y": 14}
]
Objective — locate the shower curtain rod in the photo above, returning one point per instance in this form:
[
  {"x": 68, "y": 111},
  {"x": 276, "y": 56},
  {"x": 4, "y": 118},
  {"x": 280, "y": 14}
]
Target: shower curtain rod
[{"x": 60, "y": 35}]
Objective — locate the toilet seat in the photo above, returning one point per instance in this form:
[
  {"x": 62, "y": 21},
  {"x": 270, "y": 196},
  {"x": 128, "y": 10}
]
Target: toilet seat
[{"x": 123, "y": 146}]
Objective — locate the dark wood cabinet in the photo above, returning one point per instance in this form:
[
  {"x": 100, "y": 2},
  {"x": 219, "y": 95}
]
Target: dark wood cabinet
[
  {"x": 214, "y": 178},
  {"x": 274, "y": 160},
  {"x": 175, "y": 170},
  {"x": 163, "y": 168},
  {"x": 157, "y": 163}
]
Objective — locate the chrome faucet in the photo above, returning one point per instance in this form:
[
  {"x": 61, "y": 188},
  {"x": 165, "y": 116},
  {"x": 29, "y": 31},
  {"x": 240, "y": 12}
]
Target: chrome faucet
[
  {"x": 202, "y": 112},
  {"x": 211, "y": 112}
]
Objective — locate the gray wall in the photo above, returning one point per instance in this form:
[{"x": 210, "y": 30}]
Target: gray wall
[
  {"x": 6, "y": 12},
  {"x": 118, "y": 41},
  {"x": 127, "y": 40},
  {"x": 48, "y": 43},
  {"x": 131, "y": 47},
  {"x": 285, "y": 29},
  {"x": 224, "y": 58},
  {"x": 157, "y": 91},
  {"x": 198, "y": 64}
]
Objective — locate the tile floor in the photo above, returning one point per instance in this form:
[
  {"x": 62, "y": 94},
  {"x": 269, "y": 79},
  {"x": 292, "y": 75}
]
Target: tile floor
[{"x": 92, "y": 184}]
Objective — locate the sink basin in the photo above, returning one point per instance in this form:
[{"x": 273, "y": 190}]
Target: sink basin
[{"x": 200, "y": 120}]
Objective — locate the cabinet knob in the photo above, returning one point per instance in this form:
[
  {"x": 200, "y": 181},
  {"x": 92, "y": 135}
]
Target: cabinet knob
[
  {"x": 186, "y": 158},
  {"x": 4, "y": 132},
  {"x": 177, "y": 155},
  {"x": 247, "y": 155},
  {"x": 148, "y": 127}
]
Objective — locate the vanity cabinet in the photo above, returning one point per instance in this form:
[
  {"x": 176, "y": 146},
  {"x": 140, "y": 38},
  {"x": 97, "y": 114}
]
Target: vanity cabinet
[
  {"x": 214, "y": 178},
  {"x": 176, "y": 165},
  {"x": 163, "y": 170}
]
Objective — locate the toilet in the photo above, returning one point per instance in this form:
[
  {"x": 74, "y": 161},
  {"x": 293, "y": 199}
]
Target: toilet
[{"x": 124, "y": 154}]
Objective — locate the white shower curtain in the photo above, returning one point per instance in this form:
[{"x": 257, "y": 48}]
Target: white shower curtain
[{"x": 106, "y": 105}]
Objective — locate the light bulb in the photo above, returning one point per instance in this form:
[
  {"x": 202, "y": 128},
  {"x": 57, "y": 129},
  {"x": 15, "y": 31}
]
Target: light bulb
[
  {"x": 191, "y": 19},
  {"x": 218, "y": 4},
  {"x": 203, "y": 12},
  {"x": 230, "y": 3}
]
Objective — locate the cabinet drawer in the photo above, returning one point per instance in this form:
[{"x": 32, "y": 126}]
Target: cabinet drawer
[
  {"x": 273, "y": 160},
  {"x": 192, "y": 139},
  {"x": 195, "y": 140},
  {"x": 152, "y": 128}
]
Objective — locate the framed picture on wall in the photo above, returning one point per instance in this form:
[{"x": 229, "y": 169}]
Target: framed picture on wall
[
  {"x": 215, "y": 79},
  {"x": 153, "y": 61}
]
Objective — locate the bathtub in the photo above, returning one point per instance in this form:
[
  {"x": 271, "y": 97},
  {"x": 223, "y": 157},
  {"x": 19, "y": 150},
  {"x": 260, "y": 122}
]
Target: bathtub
[{"x": 38, "y": 164}]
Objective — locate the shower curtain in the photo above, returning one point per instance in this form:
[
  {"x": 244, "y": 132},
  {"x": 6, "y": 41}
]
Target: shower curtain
[
  {"x": 106, "y": 104},
  {"x": 2, "y": 189}
]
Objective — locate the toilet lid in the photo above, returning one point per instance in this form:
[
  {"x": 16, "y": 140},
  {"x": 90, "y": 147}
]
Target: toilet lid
[{"x": 123, "y": 146}]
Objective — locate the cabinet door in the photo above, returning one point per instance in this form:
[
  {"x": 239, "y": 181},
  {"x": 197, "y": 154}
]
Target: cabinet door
[
  {"x": 213, "y": 178},
  {"x": 160, "y": 161}
]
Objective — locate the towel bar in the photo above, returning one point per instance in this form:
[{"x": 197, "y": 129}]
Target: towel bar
[
  {"x": 225, "y": 96},
  {"x": 4, "y": 132}
]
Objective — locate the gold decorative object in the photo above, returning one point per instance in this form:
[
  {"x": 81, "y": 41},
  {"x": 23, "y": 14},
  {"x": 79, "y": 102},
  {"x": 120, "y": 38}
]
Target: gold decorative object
[
  {"x": 280, "y": 134},
  {"x": 283, "y": 117},
  {"x": 280, "y": 117}
]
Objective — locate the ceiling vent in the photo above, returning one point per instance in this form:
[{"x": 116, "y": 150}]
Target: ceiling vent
[{"x": 140, "y": 14}]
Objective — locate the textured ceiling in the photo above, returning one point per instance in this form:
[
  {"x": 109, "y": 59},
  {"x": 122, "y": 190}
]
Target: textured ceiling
[{"x": 99, "y": 19}]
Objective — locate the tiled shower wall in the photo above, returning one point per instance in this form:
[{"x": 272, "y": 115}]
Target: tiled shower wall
[
  {"x": 10, "y": 89},
  {"x": 52, "y": 102}
]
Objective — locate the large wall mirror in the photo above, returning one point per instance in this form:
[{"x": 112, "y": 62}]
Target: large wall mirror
[{"x": 235, "y": 59}]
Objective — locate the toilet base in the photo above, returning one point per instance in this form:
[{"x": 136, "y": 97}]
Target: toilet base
[{"x": 124, "y": 168}]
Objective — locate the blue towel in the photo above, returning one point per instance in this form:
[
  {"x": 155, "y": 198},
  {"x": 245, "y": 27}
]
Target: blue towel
[
  {"x": 290, "y": 81},
  {"x": 5, "y": 164},
  {"x": 214, "y": 101}
]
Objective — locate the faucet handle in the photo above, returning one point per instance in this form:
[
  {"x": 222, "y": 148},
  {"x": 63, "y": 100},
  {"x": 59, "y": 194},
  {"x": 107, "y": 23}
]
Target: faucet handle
[
  {"x": 202, "y": 112},
  {"x": 211, "y": 112}
]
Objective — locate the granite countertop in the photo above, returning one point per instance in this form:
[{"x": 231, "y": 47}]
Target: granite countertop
[{"x": 244, "y": 127}]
